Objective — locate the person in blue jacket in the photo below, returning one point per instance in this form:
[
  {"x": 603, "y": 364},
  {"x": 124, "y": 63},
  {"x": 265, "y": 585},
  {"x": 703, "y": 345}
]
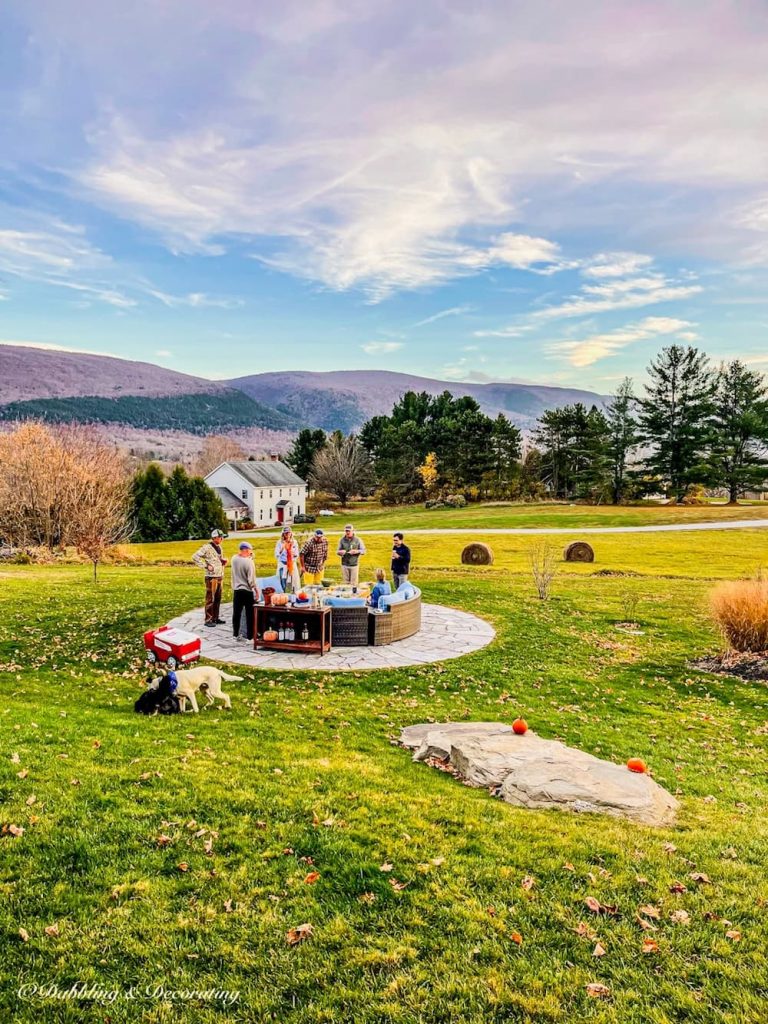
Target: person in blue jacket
[{"x": 380, "y": 588}]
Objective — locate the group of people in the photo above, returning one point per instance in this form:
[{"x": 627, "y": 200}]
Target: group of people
[{"x": 293, "y": 563}]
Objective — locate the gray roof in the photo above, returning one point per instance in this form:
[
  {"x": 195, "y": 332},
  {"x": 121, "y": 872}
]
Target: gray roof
[
  {"x": 228, "y": 499},
  {"x": 267, "y": 474}
]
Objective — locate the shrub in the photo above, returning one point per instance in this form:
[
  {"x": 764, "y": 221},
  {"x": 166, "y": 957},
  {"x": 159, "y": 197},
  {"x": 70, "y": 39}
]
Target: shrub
[
  {"x": 740, "y": 609},
  {"x": 543, "y": 561}
]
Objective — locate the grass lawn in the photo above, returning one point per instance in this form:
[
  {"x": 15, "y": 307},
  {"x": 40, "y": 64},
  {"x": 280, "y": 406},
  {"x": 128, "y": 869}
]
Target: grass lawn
[
  {"x": 178, "y": 853},
  {"x": 500, "y": 515}
]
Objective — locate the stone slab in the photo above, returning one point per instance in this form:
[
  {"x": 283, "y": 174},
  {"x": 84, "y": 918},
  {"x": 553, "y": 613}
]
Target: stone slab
[{"x": 533, "y": 772}]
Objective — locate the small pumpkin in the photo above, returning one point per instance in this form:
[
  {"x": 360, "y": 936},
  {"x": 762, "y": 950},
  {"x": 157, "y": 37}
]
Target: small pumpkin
[
  {"x": 520, "y": 726},
  {"x": 279, "y": 600},
  {"x": 303, "y": 596},
  {"x": 636, "y": 764},
  {"x": 270, "y": 635}
]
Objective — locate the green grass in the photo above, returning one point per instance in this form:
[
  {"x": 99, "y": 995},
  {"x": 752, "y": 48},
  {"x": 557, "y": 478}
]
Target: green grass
[
  {"x": 547, "y": 514},
  {"x": 304, "y": 767}
]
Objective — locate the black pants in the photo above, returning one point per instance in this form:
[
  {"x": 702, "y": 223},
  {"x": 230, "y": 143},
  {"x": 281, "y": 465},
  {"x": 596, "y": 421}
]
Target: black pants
[{"x": 242, "y": 601}]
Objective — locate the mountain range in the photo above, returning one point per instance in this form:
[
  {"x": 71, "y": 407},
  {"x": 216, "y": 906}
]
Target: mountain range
[{"x": 139, "y": 398}]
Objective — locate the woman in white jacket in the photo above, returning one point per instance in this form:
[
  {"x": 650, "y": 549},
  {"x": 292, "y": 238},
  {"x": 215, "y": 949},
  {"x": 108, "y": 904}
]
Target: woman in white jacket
[{"x": 287, "y": 558}]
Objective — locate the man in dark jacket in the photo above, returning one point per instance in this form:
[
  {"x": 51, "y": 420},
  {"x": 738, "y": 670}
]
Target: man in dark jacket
[{"x": 401, "y": 560}]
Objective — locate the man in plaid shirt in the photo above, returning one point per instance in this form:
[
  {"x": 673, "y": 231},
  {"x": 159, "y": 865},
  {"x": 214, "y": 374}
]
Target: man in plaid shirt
[{"x": 312, "y": 558}]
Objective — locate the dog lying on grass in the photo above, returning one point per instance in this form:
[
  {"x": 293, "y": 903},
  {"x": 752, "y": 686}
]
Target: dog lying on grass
[{"x": 189, "y": 681}]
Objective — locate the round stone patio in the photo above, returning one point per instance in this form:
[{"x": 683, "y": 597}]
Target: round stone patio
[{"x": 445, "y": 633}]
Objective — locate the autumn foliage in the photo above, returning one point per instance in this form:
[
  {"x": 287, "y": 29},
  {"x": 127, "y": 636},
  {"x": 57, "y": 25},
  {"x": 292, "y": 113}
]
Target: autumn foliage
[{"x": 740, "y": 609}]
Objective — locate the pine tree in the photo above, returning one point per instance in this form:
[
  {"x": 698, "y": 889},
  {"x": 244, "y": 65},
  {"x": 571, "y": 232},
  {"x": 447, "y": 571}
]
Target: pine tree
[
  {"x": 622, "y": 437},
  {"x": 675, "y": 417},
  {"x": 150, "y": 505},
  {"x": 304, "y": 448},
  {"x": 740, "y": 430}
]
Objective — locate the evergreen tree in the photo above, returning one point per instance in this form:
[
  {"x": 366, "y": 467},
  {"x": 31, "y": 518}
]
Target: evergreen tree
[
  {"x": 740, "y": 430},
  {"x": 149, "y": 500},
  {"x": 304, "y": 448},
  {"x": 574, "y": 450},
  {"x": 675, "y": 417},
  {"x": 622, "y": 437}
]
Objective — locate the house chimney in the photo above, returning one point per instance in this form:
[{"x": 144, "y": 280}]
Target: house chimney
[{"x": 274, "y": 457}]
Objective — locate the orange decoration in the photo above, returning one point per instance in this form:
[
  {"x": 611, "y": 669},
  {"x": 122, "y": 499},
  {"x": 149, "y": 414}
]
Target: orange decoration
[
  {"x": 520, "y": 726},
  {"x": 636, "y": 764}
]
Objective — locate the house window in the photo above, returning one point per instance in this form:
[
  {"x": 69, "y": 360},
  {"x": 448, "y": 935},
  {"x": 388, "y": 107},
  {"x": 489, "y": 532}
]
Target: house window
[
  {"x": 243, "y": 494},
  {"x": 270, "y": 493},
  {"x": 261, "y": 513},
  {"x": 281, "y": 492},
  {"x": 270, "y": 513}
]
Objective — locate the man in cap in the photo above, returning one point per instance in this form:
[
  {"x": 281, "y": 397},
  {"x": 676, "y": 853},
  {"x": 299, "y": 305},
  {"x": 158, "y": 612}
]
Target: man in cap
[
  {"x": 211, "y": 560},
  {"x": 350, "y": 550},
  {"x": 245, "y": 590},
  {"x": 312, "y": 558}
]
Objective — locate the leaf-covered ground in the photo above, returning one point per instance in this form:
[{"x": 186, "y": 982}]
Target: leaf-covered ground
[{"x": 183, "y": 852}]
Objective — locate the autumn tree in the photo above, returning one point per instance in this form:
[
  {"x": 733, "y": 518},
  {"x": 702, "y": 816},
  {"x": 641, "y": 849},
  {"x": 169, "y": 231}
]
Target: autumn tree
[
  {"x": 216, "y": 449},
  {"x": 428, "y": 473}
]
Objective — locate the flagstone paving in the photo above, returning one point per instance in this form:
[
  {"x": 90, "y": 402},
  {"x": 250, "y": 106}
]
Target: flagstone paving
[{"x": 445, "y": 633}]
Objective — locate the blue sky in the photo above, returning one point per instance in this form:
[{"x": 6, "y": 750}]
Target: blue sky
[{"x": 543, "y": 191}]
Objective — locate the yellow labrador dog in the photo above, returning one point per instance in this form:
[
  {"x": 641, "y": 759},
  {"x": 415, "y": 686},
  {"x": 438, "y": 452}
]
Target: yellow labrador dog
[{"x": 204, "y": 678}]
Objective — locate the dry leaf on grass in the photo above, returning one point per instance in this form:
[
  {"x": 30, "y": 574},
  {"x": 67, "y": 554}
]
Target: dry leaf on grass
[
  {"x": 517, "y": 937},
  {"x": 52, "y": 930},
  {"x": 700, "y": 877},
  {"x": 584, "y": 931},
  {"x": 312, "y": 877},
  {"x": 528, "y": 883},
  {"x": 680, "y": 917},
  {"x": 599, "y": 949},
  {"x": 669, "y": 848},
  {"x": 183, "y": 866},
  {"x": 298, "y": 934},
  {"x": 733, "y": 934},
  {"x": 386, "y": 866},
  {"x": 677, "y": 888},
  {"x": 31, "y": 800},
  {"x": 23, "y": 773},
  {"x": 397, "y": 886},
  {"x": 163, "y": 840},
  {"x": 15, "y": 759},
  {"x": 650, "y": 911},
  {"x": 597, "y": 991},
  {"x": 228, "y": 906},
  {"x": 600, "y": 908},
  {"x": 23, "y": 934},
  {"x": 649, "y": 946},
  {"x": 646, "y": 925}
]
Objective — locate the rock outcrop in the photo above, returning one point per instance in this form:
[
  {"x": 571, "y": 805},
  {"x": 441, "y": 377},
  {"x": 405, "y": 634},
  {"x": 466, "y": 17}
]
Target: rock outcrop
[{"x": 529, "y": 771}]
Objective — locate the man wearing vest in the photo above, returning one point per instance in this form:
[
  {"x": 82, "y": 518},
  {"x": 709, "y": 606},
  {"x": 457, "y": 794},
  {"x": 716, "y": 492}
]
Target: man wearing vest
[
  {"x": 350, "y": 550},
  {"x": 210, "y": 558}
]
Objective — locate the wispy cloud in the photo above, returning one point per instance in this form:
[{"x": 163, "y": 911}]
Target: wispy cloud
[
  {"x": 585, "y": 351},
  {"x": 195, "y": 300},
  {"x": 372, "y": 348},
  {"x": 453, "y": 311}
]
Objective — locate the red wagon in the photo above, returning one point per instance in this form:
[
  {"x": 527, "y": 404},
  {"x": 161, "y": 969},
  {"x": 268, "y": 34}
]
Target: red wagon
[{"x": 173, "y": 646}]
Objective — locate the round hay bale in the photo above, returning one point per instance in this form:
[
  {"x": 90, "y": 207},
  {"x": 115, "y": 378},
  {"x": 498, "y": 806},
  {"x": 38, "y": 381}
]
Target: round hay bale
[
  {"x": 477, "y": 554},
  {"x": 579, "y": 551}
]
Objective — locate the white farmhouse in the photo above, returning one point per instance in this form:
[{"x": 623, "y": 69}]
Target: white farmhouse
[{"x": 265, "y": 492}]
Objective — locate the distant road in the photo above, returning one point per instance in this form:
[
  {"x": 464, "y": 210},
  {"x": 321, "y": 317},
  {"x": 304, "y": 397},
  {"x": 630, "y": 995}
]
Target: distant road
[{"x": 732, "y": 524}]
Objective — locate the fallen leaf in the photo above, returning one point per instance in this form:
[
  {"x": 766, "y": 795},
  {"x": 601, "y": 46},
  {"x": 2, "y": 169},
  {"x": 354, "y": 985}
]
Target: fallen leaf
[
  {"x": 437, "y": 861},
  {"x": 208, "y": 847},
  {"x": 312, "y": 877},
  {"x": 23, "y": 934},
  {"x": 584, "y": 931},
  {"x": 646, "y": 925},
  {"x": 700, "y": 877},
  {"x": 163, "y": 840},
  {"x": 288, "y": 851},
  {"x": 386, "y": 866},
  {"x": 52, "y": 930},
  {"x": 680, "y": 917},
  {"x": 15, "y": 759},
  {"x": 597, "y": 991},
  {"x": 228, "y": 906},
  {"x": 669, "y": 848},
  {"x": 710, "y": 799},
  {"x": 367, "y": 897},
  {"x": 677, "y": 888},
  {"x": 641, "y": 880},
  {"x": 517, "y": 937},
  {"x": 183, "y": 866},
  {"x": 599, "y": 949},
  {"x": 97, "y": 744},
  {"x": 23, "y": 773},
  {"x": 32, "y": 799},
  {"x": 649, "y": 946},
  {"x": 298, "y": 934},
  {"x": 528, "y": 883},
  {"x": 16, "y": 830},
  {"x": 733, "y": 934},
  {"x": 397, "y": 886},
  {"x": 593, "y": 904},
  {"x": 650, "y": 911},
  {"x": 568, "y": 866}
]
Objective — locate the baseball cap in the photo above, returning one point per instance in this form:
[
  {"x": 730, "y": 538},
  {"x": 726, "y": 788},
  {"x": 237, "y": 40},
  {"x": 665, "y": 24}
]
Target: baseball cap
[
  {"x": 349, "y": 526},
  {"x": 217, "y": 533},
  {"x": 245, "y": 546},
  {"x": 318, "y": 533}
]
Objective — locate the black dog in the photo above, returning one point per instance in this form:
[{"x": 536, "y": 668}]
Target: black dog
[{"x": 160, "y": 701}]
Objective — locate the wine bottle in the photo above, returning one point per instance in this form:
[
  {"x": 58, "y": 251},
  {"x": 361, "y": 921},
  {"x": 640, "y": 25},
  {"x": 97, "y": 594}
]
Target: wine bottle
[
  {"x": 281, "y": 633},
  {"x": 304, "y": 633}
]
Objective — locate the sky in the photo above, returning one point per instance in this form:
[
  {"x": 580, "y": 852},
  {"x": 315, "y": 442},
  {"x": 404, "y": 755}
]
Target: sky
[{"x": 539, "y": 191}]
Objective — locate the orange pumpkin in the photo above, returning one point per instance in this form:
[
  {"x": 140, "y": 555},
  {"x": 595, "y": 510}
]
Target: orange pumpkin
[
  {"x": 279, "y": 600},
  {"x": 520, "y": 726},
  {"x": 303, "y": 596},
  {"x": 636, "y": 764},
  {"x": 270, "y": 635}
]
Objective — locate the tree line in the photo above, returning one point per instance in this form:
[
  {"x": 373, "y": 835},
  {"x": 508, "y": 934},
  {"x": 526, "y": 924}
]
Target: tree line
[{"x": 694, "y": 424}]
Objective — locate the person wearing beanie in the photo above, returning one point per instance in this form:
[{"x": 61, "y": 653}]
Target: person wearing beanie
[{"x": 313, "y": 557}]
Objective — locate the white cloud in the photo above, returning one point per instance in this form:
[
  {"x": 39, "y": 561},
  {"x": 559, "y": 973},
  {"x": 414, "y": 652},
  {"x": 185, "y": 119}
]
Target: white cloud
[
  {"x": 195, "y": 300},
  {"x": 586, "y": 351},
  {"x": 164, "y": 353},
  {"x": 453, "y": 311},
  {"x": 378, "y": 347},
  {"x": 616, "y": 264}
]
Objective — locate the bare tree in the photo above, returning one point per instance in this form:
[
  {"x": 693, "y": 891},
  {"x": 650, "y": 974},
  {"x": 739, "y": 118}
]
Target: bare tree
[
  {"x": 543, "y": 561},
  {"x": 216, "y": 449},
  {"x": 342, "y": 468}
]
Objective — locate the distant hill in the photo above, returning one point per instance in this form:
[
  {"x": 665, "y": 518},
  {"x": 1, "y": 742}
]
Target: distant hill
[{"x": 345, "y": 399}]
